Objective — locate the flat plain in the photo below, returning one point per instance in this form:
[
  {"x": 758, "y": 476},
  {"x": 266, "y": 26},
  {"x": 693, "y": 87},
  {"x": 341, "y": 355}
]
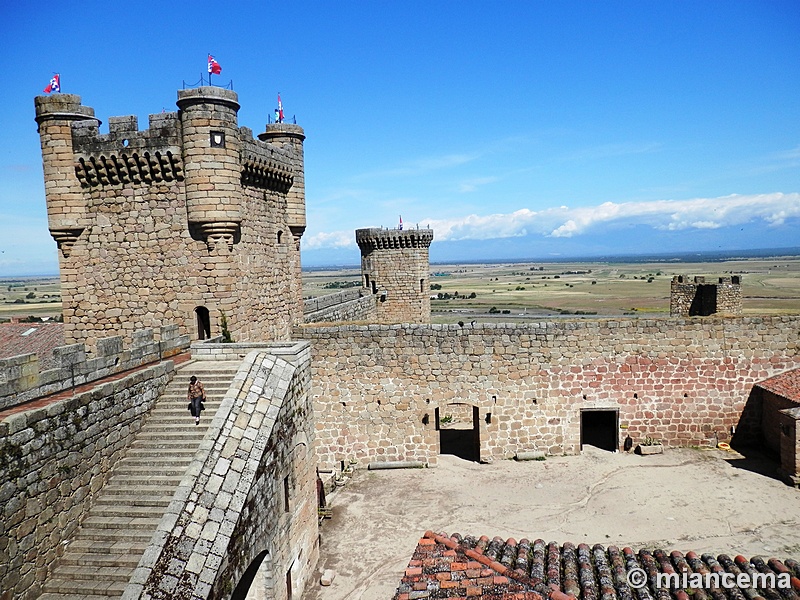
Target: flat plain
[{"x": 523, "y": 291}]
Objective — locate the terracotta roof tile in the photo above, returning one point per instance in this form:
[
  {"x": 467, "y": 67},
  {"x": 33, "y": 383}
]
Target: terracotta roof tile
[
  {"x": 31, "y": 338},
  {"x": 462, "y": 567},
  {"x": 785, "y": 384}
]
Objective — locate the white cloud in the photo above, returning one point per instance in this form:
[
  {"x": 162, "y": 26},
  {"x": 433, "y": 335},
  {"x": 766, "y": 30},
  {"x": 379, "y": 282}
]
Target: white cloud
[
  {"x": 564, "y": 222},
  {"x": 333, "y": 239}
]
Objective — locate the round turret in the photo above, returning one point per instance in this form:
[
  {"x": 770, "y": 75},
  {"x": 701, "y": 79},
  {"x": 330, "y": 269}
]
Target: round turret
[
  {"x": 395, "y": 267},
  {"x": 211, "y": 149},
  {"x": 66, "y": 206},
  {"x": 289, "y": 133}
]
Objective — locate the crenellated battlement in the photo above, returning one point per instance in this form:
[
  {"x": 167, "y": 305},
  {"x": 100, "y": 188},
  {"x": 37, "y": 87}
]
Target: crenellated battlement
[
  {"x": 384, "y": 239},
  {"x": 21, "y": 379}
]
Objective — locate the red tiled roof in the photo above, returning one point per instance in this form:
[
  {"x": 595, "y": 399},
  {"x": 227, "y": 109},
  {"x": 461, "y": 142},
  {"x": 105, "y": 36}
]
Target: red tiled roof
[
  {"x": 786, "y": 384},
  {"x": 31, "y": 338},
  {"x": 456, "y": 567}
]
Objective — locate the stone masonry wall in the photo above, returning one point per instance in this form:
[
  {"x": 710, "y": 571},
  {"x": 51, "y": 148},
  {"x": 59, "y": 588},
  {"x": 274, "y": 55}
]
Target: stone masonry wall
[
  {"x": 249, "y": 495},
  {"x": 53, "y": 460},
  {"x": 682, "y": 381}
]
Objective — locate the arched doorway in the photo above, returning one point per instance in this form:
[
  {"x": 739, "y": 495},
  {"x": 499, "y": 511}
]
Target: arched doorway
[
  {"x": 256, "y": 582},
  {"x": 203, "y": 323},
  {"x": 459, "y": 430}
]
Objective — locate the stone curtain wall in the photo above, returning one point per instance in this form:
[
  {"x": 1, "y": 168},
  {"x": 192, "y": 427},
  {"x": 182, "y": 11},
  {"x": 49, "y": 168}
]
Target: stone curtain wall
[
  {"x": 53, "y": 460},
  {"x": 190, "y": 212},
  {"x": 313, "y": 305},
  {"x": 21, "y": 380},
  {"x": 230, "y": 511},
  {"x": 678, "y": 380},
  {"x": 361, "y": 309}
]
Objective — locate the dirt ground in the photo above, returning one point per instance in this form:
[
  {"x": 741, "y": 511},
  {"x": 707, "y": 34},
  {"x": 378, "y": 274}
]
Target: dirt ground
[{"x": 686, "y": 499}]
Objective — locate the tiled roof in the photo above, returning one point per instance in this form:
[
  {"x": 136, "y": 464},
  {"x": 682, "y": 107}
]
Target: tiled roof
[
  {"x": 786, "y": 384},
  {"x": 31, "y": 338},
  {"x": 455, "y": 567}
]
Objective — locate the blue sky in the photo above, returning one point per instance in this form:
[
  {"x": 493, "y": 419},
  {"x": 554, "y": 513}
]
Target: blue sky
[{"x": 515, "y": 129}]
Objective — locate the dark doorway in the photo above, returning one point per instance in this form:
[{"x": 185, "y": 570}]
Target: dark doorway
[
  {"x": 461, "y": 439},
  {"x": 704, "y": 302},
  {"x": 600, "y": 428},
  {"x": 203, "y": 323}
]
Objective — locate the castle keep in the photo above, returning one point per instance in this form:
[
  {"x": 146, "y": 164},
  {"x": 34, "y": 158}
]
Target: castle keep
[{"x": 179, "y": 223}]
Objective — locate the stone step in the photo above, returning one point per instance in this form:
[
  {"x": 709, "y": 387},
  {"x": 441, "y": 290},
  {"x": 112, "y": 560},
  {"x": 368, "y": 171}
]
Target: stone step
[
  {"x": 114, "y": 535},
  {"x": 138, "y": 481},
  {"x": 120, "y": 523},
  {"x": 124, "y": 510},
  {"x": 89, "y": 573},
  {"x": 168, "y": 470},
  {"x": 107, "y": 549},
  {"x": 112, "y": 502},
  {"x": 96, "y": 559},
  {"x": 81, "y": 596},
  {"x": 87, "y": 589}
]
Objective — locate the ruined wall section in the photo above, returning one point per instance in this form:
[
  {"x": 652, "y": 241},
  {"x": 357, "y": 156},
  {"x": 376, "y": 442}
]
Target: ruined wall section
[
  {"x": 189, "y": 213},
  {"x": 685, "y": 382},
  {"x": 695, "y": 297}
]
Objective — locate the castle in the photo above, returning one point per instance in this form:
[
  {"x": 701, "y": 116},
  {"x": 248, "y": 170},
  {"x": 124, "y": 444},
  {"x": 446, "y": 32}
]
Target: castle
[{"x": 163, "y": 231}]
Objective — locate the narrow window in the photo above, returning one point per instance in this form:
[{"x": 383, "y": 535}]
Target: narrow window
[
  {"x": 280, "y": 236},
  {"x": 421, "y": 285},
  {"x": 286, "y": 494}
]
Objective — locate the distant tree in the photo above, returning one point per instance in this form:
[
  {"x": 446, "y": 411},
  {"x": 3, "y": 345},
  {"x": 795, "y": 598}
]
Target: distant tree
[
  {"x": 473, "y": 295},
  {"x": 30, "y": 295}
]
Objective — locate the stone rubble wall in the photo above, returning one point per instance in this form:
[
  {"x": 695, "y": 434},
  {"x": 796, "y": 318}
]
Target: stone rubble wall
[
  {"x": 230, "y": 511},
  {"x": 362, "y": 308},
  {"x": 21, "y": 380},
  {"x": 682, "y": 381},
  {"x": 54, "y": 460},
  {"x": 313, "y": 305}
]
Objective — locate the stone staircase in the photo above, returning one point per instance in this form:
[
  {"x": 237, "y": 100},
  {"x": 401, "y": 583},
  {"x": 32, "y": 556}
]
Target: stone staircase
[{"x": 100, "y": 559}]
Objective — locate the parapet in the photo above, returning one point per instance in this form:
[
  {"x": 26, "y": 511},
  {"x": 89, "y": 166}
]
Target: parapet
[
  {"x": 384, "y": 239},
  {"x": 690, "y": 297},
  {"x": 21, "y": 380}
]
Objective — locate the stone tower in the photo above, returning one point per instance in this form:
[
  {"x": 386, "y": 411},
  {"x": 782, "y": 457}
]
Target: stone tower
[
  {"x": 395, "y": 267},
  {"x": 697, "y": 298},
  {"x": 179, "y": 223}
]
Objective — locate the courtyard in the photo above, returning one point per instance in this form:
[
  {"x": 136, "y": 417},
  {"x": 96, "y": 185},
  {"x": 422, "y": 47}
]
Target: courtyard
[{"x": 706, "y": 500}]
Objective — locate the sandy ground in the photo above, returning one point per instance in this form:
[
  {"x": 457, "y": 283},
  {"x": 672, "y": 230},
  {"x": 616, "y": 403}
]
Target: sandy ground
[{"x": 701, "y": 500}]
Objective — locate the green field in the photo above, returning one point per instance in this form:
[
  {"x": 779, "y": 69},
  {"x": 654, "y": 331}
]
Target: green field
[
  {"x": 521, "y": 291},
  {"x": 29, "y": 297}
]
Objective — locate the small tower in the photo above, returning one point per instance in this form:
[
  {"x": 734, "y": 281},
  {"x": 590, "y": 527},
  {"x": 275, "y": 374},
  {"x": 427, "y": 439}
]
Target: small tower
[
  {"x": 395, "y": 267},
  {"x": 697, "y": 298}
]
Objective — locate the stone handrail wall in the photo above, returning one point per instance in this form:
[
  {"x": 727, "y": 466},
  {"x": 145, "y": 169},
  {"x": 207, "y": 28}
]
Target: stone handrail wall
[
  {"x": 682, "y": 381},
  {"x": 21, "y": 380},
  {"x": 251, "y": 489},
  {"x": 53, "y": 461},
  {"x": 360, "y": 308}
]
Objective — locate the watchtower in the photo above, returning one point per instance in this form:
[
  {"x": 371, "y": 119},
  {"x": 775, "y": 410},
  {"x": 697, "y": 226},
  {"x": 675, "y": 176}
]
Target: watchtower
[
  {"x": 698, "y": 298},
  {"x": 395, "y": 267},
  {"x": 178, "y": 223}
]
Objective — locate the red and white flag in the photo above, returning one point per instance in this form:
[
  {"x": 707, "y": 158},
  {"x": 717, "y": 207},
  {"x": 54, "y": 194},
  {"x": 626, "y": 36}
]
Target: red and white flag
[
  {"x": 401, "y": 222},
  {"x": 54, "y": 85},
  {"x": 280, "y": 109},
  {"x": 214, "y": 67}
]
